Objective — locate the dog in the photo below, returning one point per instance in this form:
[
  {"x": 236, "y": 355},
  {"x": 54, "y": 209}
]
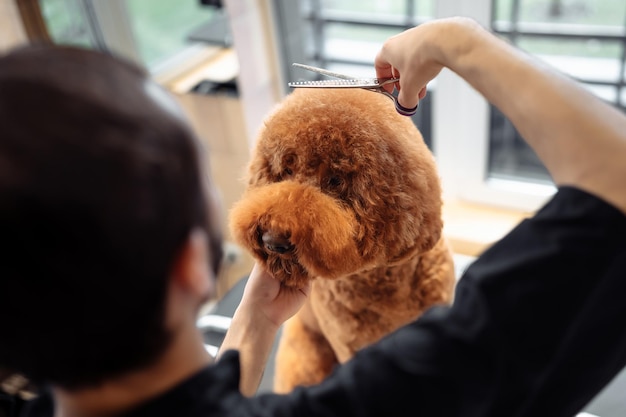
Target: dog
[{"x": 343, "y": 192}]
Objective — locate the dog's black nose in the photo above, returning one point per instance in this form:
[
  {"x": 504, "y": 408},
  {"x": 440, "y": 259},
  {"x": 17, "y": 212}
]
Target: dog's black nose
[{"x": 276, "y": 243}]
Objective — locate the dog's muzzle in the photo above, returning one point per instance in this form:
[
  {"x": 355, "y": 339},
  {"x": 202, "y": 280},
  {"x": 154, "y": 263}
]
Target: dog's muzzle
[{"x": 276, "y": 243}]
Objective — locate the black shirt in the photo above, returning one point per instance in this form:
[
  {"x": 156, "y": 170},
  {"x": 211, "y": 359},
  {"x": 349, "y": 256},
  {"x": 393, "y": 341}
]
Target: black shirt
[{"x": 536, "y": 329}]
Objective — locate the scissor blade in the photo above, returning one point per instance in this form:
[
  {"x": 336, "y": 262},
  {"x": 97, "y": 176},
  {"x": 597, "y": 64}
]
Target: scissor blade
[
  {"x": 323, "y": 71},
  {"x": 351, "y": 83},
  {"x": 365, "y": 83}
]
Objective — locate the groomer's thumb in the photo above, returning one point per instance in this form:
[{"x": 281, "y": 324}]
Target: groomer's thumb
[{"x": 408, "y": 100}]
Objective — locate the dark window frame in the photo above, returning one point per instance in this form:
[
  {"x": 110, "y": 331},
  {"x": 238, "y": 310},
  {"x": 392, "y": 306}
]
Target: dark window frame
[{"x": 317, "y": 17}]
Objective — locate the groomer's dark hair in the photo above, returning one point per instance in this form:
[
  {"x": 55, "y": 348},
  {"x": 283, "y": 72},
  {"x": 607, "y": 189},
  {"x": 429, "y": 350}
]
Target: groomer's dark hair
[{"x": 100, "y": 187}]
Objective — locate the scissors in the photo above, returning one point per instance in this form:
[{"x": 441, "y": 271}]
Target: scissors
[{"x": 346, "y": 81}]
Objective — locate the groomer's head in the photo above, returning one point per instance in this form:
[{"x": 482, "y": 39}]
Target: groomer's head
[{"x": 100, "y": 191}]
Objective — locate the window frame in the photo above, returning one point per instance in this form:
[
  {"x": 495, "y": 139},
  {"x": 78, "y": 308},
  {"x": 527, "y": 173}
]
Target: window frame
[
  {"x": 462, "y": 148},
  {"x": 113, "y": 26},
  {"x": 111, "y": 29},
  {"x": 33, "y": 21}
]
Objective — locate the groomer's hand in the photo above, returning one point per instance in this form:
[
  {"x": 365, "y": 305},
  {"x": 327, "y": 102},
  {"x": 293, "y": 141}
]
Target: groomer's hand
[
  {"x": 417, "y": 55},
  {"x": 266, "y": 304},
  {"x": 266, "y": 296}
]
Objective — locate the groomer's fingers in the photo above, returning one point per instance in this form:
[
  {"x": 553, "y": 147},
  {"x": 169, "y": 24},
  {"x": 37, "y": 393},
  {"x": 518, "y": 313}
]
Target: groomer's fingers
[
  {"x": 408, "y": 90},
  {"x": 385, "y": 70},
  {"x": 408, "y": 93},
  {"x": 410, "y": 111},
  {"x": 410, "y": 55},
  {"x": 422, "y": 93}
]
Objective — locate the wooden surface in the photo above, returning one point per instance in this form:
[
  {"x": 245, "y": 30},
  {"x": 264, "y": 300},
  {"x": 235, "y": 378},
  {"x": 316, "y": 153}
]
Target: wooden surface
[
  {"x": 472, "y": 228},
  {"x": 218, "y": 122}
]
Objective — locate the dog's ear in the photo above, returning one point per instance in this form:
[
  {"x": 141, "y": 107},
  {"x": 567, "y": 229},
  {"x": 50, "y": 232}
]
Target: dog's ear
[
  {"x": 430, "y": 232},
  {"x": 399, "y": 196},
  {"x": 396, "y": 230},
  {"x": 424, "y": 213},
  {"x": 259, "y": 169}
]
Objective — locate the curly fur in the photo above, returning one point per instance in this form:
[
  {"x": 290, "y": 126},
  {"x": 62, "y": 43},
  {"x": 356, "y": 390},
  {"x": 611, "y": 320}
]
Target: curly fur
[{"x": 343, "y": 191}]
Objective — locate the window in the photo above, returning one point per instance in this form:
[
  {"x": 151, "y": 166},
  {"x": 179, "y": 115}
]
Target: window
[
  {"x": 344, "y": 36},
  {"x": 68, "y": 22},
  {"x": 584, "y": 39},
  {"x": 146, "y": 31},
  {"x": 162, "y": 28},
  {"x": 481, "y": 156}
]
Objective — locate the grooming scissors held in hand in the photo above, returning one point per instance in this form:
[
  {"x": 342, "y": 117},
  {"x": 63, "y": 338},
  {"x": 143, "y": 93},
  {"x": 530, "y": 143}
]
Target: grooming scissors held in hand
[{"x": 346, "y": 81}]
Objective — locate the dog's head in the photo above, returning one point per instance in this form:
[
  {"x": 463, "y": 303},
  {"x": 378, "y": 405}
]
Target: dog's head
[{"x": 338, "y": 183}]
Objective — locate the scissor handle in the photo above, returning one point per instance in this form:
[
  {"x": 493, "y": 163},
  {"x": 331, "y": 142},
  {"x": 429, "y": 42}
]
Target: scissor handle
[{"x": 404, "y": 111}]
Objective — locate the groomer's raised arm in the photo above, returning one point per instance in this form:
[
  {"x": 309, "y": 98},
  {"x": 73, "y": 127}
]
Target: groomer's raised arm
[
  {"x": 265, "y": 305},
  {"x": 580, "y": 139}
]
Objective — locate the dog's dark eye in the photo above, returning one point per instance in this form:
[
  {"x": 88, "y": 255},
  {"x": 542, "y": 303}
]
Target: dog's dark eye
[
  {"x": 286, "y": 173},
  {"x": 335, "y": 182}
]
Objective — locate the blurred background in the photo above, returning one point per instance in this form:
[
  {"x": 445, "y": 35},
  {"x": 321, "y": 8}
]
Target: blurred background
[
  {"x": 228, "y": 62},
  {"x": 252, "y": 45},
  {"x": 584, "y": 38}
]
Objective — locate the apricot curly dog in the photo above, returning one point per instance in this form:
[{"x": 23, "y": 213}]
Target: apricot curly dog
[{"x": 343, "y": 191}]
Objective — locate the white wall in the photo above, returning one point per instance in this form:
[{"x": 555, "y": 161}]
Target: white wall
[
  {"x": 251, "y": 27},
  {"x": 11, "y": 30}
]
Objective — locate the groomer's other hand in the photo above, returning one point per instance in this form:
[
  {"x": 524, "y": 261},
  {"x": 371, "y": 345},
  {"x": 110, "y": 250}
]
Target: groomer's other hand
[
  {"x": 266, "y": 295},
  {"x": 266, "y": 304},
  {"x": 417, "y": 56}
]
